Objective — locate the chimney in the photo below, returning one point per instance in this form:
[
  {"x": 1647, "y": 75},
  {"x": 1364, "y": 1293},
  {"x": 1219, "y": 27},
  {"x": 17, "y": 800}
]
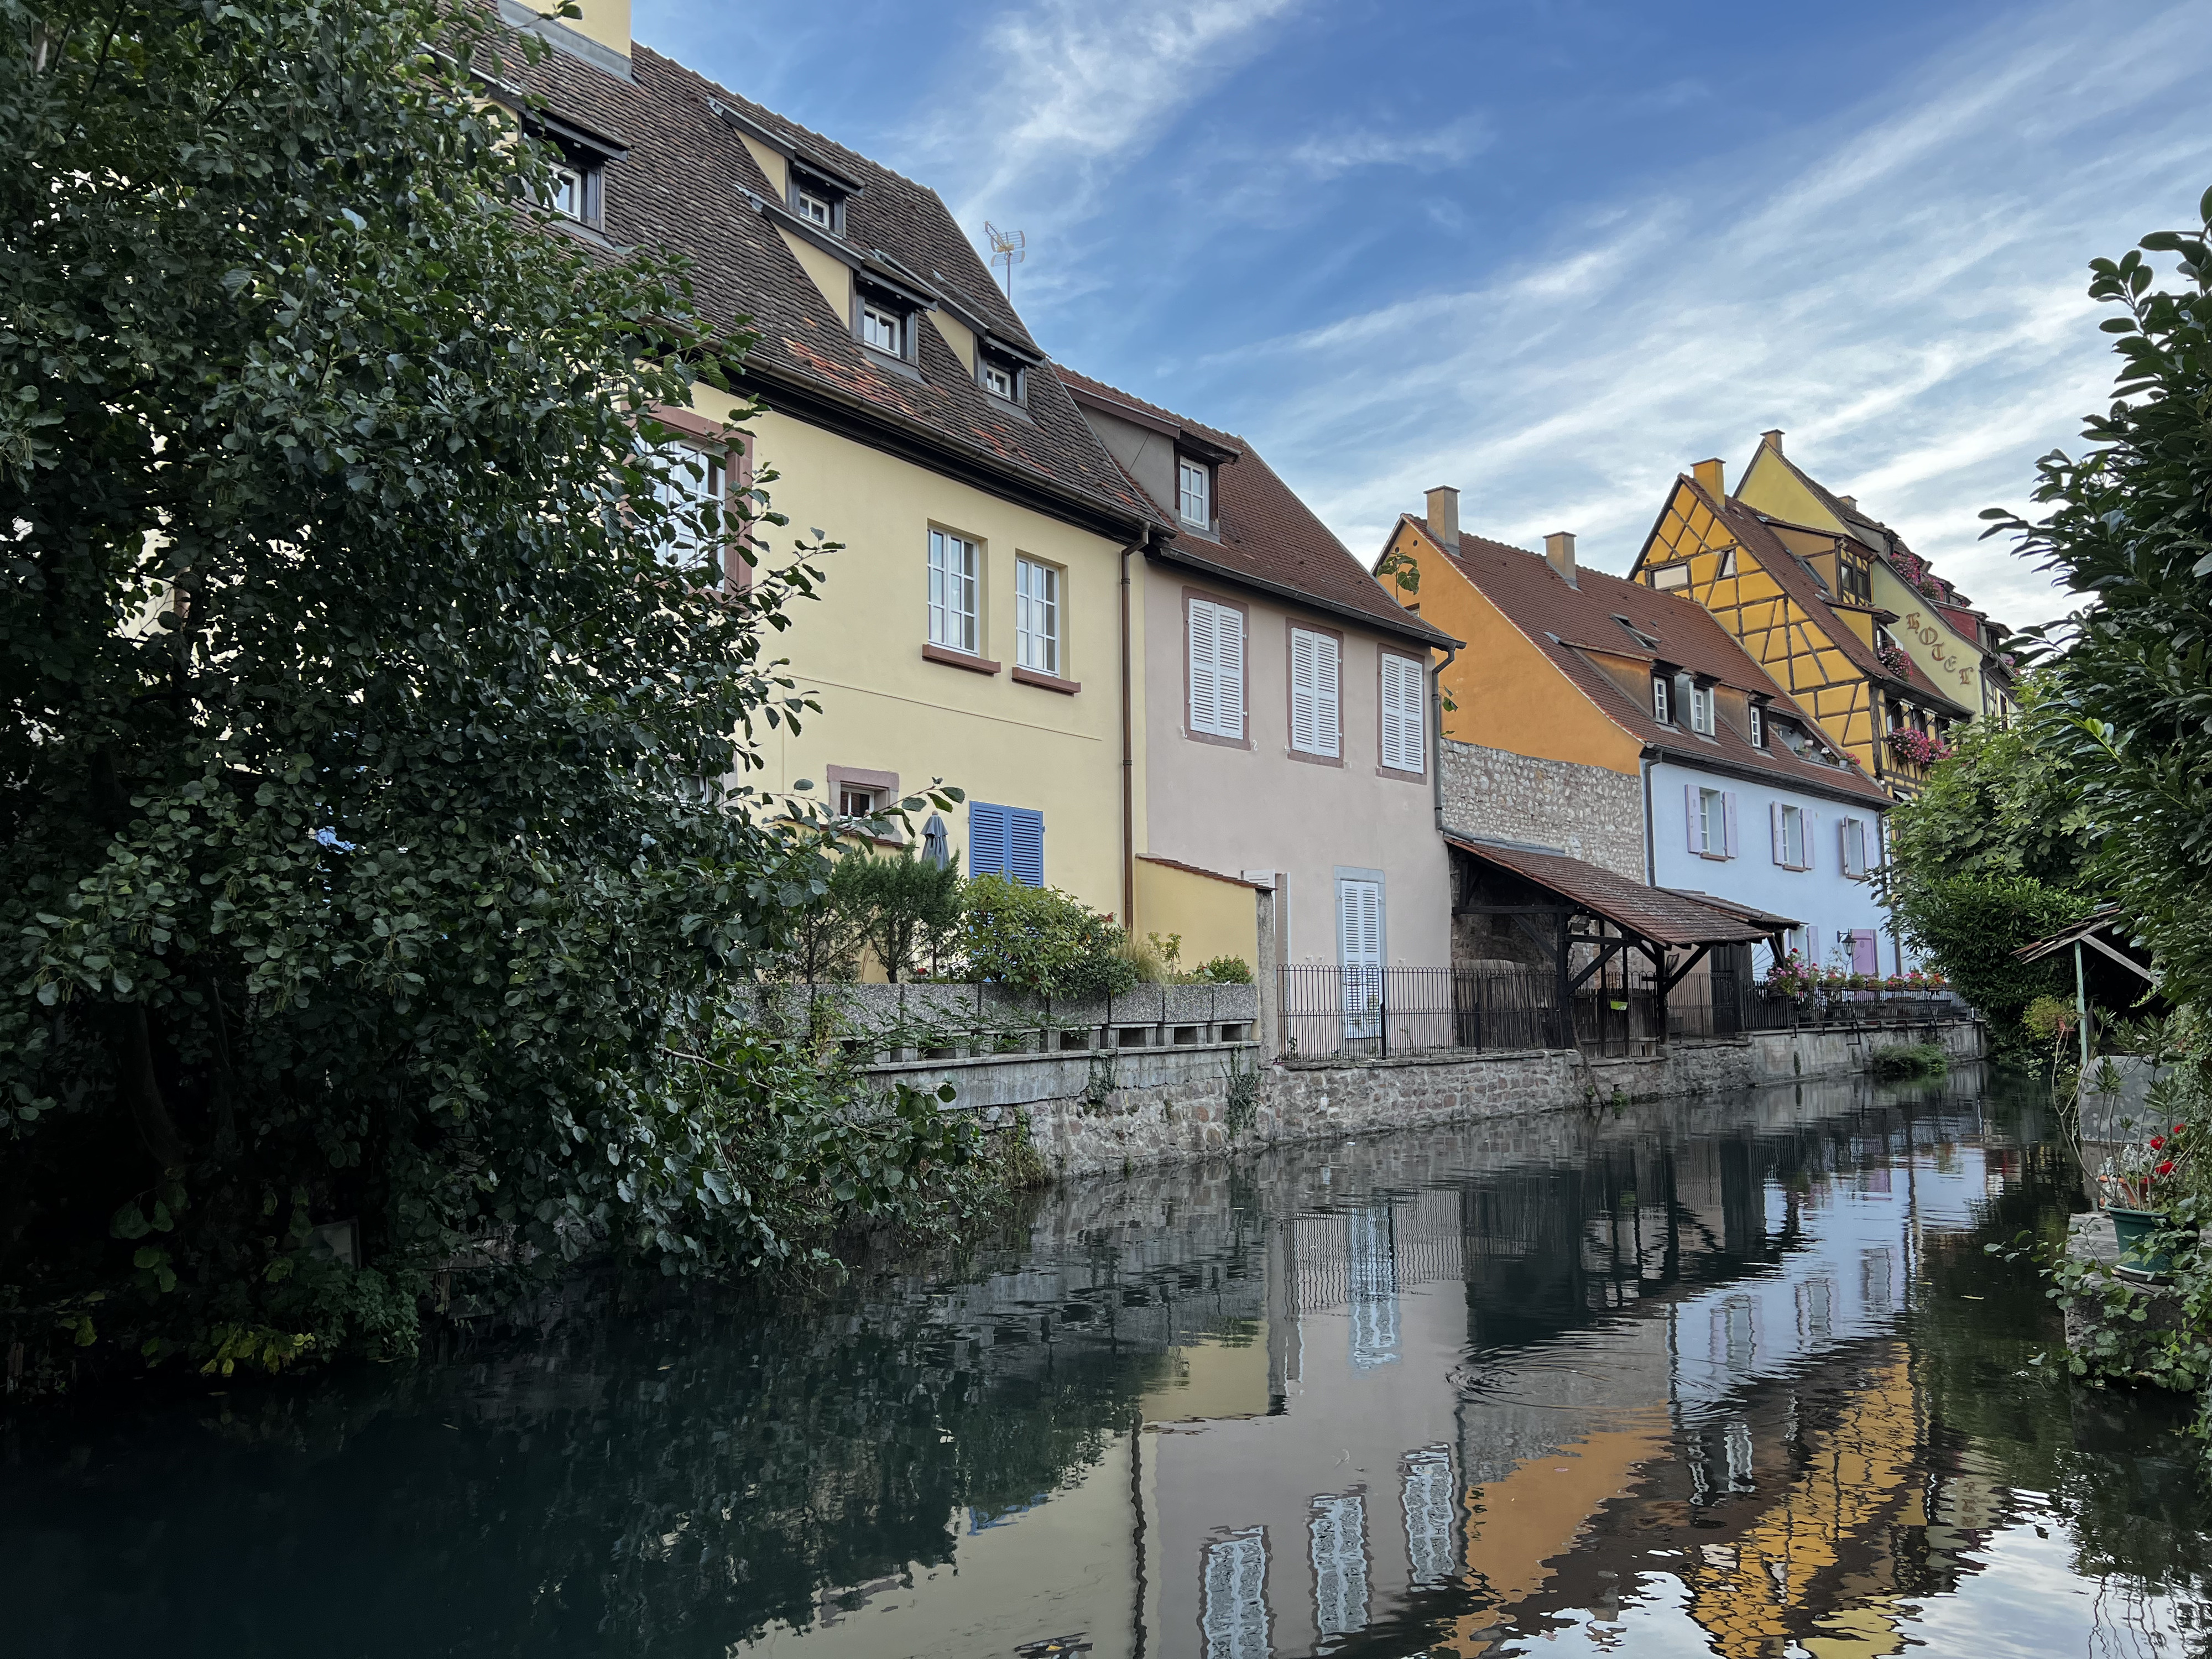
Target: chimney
[
  {"x": 1772, "y": 439},
  {"x": 1444, "y": 516},
  {"x": 1850, "y": 503},
  {"x": 1559, "y": 548},
  {"x": 1709, "y": 475}
]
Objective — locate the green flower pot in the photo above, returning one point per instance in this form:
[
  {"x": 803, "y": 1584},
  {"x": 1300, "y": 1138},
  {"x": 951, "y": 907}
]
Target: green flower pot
[{"x": 2132, "y": 1228}]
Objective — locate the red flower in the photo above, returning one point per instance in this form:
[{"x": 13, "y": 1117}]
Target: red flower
[
  {"x": 2157, "y": 1141},
  {"x": 2166, "y": 1168}
]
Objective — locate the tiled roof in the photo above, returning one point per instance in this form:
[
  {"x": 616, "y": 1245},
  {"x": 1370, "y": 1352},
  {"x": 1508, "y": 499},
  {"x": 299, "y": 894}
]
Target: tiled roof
[
  {"x": 689, "y": 182},
  {"x": 1791, "y": 574},
  {"x": 1656, "y": 914},
  {"x": 1878, "y": 536},
  {"x": 1564, "y": 622},
  {"x": 1267, "y": 535}
]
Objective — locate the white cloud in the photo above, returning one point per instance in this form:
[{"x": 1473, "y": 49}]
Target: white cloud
[
  {"x": 1904, "y": 294},
  {"x": 1331, "y": 155}
]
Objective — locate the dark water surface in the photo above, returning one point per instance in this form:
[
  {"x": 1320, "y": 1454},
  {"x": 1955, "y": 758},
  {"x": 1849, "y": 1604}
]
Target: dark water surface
[{"x": 1732, "y": 1378}]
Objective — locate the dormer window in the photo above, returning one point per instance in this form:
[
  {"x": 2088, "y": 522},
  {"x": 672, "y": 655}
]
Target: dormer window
[
  {"x": 1701, "y": 709},
  {"x": 1659, "y": 699},
  {"x": 1194, "y": 492},
  {"x": 816, "y": 198},
  {"x": 886, "y": 326},
  {"x": 819, "y": 208},
  {"x": 576, "y": 190},
  {"x": 1758, "y": 726},
  {"x": 999, "y": 376}
]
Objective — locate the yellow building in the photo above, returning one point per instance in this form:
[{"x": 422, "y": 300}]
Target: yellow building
[
  {"x": 973, "y": 626},
  {"x": 1801, "y": 600}
]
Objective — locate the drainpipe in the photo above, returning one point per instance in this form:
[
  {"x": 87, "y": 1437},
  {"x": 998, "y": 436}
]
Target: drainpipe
[
  {"x": 1650, "y": 852},
  {"x": 1129, "y": 768},
  {"x": 1436, "y": 710}
]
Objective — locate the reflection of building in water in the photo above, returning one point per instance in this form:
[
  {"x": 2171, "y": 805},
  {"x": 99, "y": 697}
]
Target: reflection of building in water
[
  {"x": 1234, "y": 1618},
  {"x": 1431, "y": 1515},
  {"x": 1371, "y": 1287},
  {"x": 1338, "y": 1537}
]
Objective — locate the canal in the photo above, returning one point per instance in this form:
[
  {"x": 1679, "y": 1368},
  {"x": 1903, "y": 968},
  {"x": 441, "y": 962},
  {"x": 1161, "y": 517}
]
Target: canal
[{"x": 1731, "y": 1377}]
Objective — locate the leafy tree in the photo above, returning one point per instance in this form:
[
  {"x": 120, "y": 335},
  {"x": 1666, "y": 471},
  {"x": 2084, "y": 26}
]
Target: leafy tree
[
  {"x": 358, "y": 690},
  {"x": 1041, "y": 940},
  {"x": 903, "y": 904},
  {"x": 2128, "y": 526}
]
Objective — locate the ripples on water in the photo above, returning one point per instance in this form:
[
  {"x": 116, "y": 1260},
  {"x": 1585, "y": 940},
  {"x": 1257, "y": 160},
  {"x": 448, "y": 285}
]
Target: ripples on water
[{"x": 1733, "y": 1377}]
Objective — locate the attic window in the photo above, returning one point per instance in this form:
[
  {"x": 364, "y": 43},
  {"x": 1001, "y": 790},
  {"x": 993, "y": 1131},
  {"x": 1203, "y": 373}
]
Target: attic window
[
  {"x": 883, "y": 328},
  {"x": 1194, "y": 492},
  {"x": 1649, "y": 643},
  {"x": 1758, "y": 726},
  {"x": 820, "y": 209},
  {"x": 1701, "y": 709},
  {"x": 1668, "y": 576},
  {"x": 818, "y": 200},
  {"x": 999, "y": 377},
  {"x": 575, "y": 193},
  {"x": 580, "y": 158}
]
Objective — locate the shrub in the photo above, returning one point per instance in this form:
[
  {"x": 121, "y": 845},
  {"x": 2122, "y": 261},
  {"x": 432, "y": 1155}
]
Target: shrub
[
  {"x": 1917, "y": 1060},
  {"x": 1042, "y": 941},
  {"x": 903, "y": 906},
  {"x": 1223, "y": 971},
  {"x": 1974, "y": 924}
]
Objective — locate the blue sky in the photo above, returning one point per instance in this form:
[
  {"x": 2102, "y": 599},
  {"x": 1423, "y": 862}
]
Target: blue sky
[{"x": 1550, "y": 252}]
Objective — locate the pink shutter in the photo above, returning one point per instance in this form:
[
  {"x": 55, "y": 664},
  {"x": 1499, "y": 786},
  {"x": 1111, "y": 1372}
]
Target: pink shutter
[
  {"x": 1690, "y": 808},
  {"x": 1812, "y": 835},
  {"x": 1727, "y": 817},
  {"x": 1774, "y": 827},
  {"x": 1812, "y": 945}
]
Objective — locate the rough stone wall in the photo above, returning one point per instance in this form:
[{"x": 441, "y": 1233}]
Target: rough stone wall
[
  {"x": 1184, "y": 1122},
  {"x": 1586, "y": 812}
]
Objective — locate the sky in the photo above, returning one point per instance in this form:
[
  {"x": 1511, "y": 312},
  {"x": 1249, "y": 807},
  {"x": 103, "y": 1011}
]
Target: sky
[{"x": 1549, "y": 252}]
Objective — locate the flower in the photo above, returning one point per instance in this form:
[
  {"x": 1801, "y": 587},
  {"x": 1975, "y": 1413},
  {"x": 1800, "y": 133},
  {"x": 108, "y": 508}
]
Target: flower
[
  {"x": 2156, "y": 1142},
  {"x": 2166, "y": 1168}
]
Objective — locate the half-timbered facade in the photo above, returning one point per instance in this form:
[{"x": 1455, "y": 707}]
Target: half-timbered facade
[{"x": 1802, "y": 602}]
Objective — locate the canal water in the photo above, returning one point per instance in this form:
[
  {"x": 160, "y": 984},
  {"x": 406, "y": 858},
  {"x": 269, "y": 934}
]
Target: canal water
[{"x": 1732, "y": 1378}]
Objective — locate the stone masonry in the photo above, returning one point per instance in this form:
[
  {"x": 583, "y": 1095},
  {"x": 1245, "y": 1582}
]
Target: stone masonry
[{"x": 1585, "y": 811}]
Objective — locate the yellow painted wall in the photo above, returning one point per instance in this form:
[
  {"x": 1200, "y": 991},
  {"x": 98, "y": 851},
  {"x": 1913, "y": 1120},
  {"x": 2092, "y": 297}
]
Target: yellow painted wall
[
  {"x": 833, "y": 277},
  {"x": 777, "y": 168},
  {"x": 606, "y": 21},
  {"x": 959, "y": 335},
  {"x": 1509, "y": 694},
  {"x": 885, "y": 708},
  {"x": 1215, "y": 918}
]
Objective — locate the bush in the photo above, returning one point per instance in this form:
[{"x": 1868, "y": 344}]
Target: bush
[
  {"x": 1223, "y": 971},
  {"x": 1974, "y": 924},
  {"x": 903, "y": 906},
  {"x": 1917, "y": 1060},
  {"x": 1042, "y": 941}
]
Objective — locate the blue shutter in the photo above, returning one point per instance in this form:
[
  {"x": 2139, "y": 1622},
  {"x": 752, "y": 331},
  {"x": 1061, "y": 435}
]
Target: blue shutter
[
  {"x": 987, "y": 839},
  {"x": 1026, "y": 846}
]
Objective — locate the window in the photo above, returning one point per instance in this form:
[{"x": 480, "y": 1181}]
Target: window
[
  {"x": 1854, "y": 847},
  {"x": 1194, "y": 494},
  {"x": 818, "y": 208},
  {"x": 1666, "y": 577},
  {"x": 1005, "y": 841},
  {"x": 883, "y": 329},
  {"x": 1000, "y": 381},
  {"x": 1659, "y": 698},
  {"x": 952, "y": 561},
  {"x": 1316, "y": 703},
  {"x": 1712, "y": 820},
  {"x": 1036, "y": 615},
  {"x": 1405, "y": 738},
  {"x": 854, "y": 802},
  {"x": 1758, "y": 726},
  {"x": 1701, "y": 709},
  {"x": 1791, "y": 848},
  {"x": 1214, "y": 635},
  {"x": 691, "y": 490}
]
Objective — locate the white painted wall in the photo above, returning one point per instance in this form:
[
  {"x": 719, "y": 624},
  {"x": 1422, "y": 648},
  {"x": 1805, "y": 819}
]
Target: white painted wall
[{"x": 1822, "y": 897}]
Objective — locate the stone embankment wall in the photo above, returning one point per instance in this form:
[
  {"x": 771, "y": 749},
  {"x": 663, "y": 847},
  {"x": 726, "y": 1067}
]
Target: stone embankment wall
[
  {"x": 1586, "y": 812},
  {"x": 1116, "y": 1129}
]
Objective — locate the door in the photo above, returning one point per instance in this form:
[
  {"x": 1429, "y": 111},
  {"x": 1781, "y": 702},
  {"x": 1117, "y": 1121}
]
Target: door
[
  {"x": 1359, "y": 927},
  {"x": 1866, "y": 950}
]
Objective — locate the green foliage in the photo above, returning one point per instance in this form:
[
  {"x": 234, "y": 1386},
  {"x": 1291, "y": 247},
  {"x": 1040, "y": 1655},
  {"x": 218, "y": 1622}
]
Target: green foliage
[
  {"x": 358, "y": 691},
  {"x": 2128, "y": 526},
  {"x": 1148, "y": 961},
  {"x": 904, "y": 906},
  {"x": 1971, "y": 924},
  {"x": 1911, "y": 1060},
  {"x": 1223, "y": 971},
  {"x": 1040, "y": 940}
]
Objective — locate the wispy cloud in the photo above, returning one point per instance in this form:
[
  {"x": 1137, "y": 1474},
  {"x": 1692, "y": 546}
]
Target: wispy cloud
[
  {"x": 1331, "y": 155},
  {"x": 1902, "y": 291}
]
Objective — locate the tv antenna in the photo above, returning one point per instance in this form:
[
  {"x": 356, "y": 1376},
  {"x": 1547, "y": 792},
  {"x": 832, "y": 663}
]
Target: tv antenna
[{"x": 1008, "y": 248}]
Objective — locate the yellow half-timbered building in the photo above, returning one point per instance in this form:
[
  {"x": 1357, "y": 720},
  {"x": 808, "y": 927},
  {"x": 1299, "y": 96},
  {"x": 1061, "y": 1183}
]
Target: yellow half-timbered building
[{"x": 1802, "y": 603}]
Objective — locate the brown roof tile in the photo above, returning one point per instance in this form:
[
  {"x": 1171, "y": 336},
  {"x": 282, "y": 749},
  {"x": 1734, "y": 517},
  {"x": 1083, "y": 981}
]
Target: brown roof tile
[
  {"x": 1269, "y": 536},
  {"x": 1657, "y": 913},
  {"x": 1565, "y": 623}
]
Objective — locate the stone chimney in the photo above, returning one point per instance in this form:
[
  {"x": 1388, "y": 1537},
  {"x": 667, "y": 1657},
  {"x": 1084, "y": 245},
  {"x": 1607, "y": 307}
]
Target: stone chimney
[
  {"x": 1559, "y": 548},
  {"x": 1444, "y": 516},
  {"x": 1773, "y": 439},
  {"x": 1709, "y": 475},
  {"x": 1850, "y": 503}
]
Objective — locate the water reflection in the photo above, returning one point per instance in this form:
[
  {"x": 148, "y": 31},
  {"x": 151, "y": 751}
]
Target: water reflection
[{"x": 1730, "y": 1378}]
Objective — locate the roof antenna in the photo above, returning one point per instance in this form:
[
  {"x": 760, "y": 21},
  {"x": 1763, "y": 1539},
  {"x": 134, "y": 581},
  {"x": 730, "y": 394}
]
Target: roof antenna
[{"x": 1008, "y": 248}]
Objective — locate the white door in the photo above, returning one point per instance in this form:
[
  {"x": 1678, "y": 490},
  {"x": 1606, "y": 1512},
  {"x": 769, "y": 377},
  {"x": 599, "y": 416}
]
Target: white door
[{"x": 1359, "y": 928}]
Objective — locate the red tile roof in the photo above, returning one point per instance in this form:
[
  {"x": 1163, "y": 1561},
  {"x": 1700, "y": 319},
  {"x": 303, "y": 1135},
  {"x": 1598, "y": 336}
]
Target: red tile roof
[
  {"x": 689, "y": 182},
  {"x": 1565, "y": 623},
  {"x": 1656, "y": 914},
  {"x": 1269, "y": 536}
]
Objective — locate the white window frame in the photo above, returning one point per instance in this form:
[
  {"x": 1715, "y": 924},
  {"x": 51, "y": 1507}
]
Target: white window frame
[
  {"x": 1758, "y": 727},
  {"x": 955, "y": 564},
  {"x": 1854, "y": 858},
  {"x": 876, "y": 314},
  {"x": 692, "y": 478},
  {"x": 856, "y": 800},
  {"x": 1038, "y": 604},
  {"x": 1710, "y": 803},
  {"x": 815, "y": 209},
  {"x": 1215, "y": 670},
  {"x": 1793, "y": 818},
  {"x": 1405, "y": 749},
  {"x": 1194, "y": 488},
  {"x": 1317, "y": 705},
  {"x": 1659, "y": 700},
  {"x": 1701, "y": 709},
  {"x": 1011, "y": 388}
]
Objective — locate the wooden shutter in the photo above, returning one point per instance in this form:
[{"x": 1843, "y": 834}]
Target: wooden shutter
[
  {"x": 1811, "y": 821},
  {"x": 1689, "y": 805},
  {"x": 1866, "y": 952},
  {"x": 987, "y": 839},
  {"x": 1774, "y": 828},
  {"x": 1205, "y": 677},
  {"x": 1403, "y": 749},
  {"x": 1228, "y": 667},
  {"x": 1026, "y": 846},
  {"x": 1305, "y": 731},
  {"x": 1359, "y": 943},
  {"x": 1728, "y": 823}
]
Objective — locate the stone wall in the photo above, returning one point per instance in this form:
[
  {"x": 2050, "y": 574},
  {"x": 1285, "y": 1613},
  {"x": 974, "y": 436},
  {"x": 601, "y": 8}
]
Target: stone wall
[
  {"x": 1586, "y": 812},
  {"x": 1113, "y": 1129}
]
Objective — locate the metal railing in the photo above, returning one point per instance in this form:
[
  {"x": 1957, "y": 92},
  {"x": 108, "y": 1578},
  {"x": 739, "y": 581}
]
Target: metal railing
[{"x": 1362, "y": 1012}]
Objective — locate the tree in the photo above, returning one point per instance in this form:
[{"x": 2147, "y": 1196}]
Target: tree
[
  {"x": 2128, "y": 526},
  {"x": 903, "y": 903},
  {"x": 360, "y": 688}
]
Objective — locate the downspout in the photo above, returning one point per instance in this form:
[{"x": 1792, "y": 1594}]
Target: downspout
[
  {"x": 1436, "y": 709},
  {"x": 1650, "y": 852},
  {"x": 1129, "y": 768}
]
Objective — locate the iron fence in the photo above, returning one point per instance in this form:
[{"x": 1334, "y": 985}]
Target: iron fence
[{"x": 1374, "y": 1012}]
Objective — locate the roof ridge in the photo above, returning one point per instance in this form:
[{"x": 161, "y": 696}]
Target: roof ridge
[{"x": 1146, "y": 404}]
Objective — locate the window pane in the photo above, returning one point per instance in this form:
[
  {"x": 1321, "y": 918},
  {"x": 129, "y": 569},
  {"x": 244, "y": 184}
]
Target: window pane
[
  {"x": 690, "y": 493},
  {"x": 1192, "y": 503}
]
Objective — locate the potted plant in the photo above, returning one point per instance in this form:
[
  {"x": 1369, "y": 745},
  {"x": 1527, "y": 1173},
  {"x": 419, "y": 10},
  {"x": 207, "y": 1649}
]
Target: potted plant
[{"x": 2126, "y": 1185}]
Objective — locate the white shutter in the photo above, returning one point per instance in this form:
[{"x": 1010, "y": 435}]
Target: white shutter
[
  {"x": 1328, "y": 705},
  {"x": 1205, "y": 674},
  {"x": 1229, "y": 668},
  {"x": 1359, "y": 928},
  {"x": 1689, "y": 817},
  {"x": 1403, "y": 746},
  {"x": 1774, "y": 827},
  {"x": 1305, "y": 729},
  {"x": 1727, "y": 808}
]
